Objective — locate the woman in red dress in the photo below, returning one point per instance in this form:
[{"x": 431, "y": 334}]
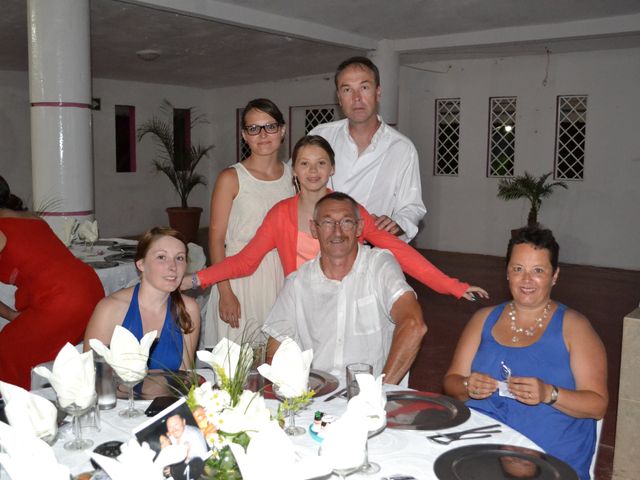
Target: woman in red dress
[{"x": 56, "y": 293}]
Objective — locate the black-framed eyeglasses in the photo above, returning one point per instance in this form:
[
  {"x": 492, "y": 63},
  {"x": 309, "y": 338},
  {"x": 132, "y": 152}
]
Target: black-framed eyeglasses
[
  {"x": 346, "y": 224},
  {"x": 254, "y": 130}
]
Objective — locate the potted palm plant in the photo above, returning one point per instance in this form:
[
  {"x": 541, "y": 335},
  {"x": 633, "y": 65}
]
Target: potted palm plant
[
  {"x": 530, "y": 187},
  {"x": 179, "y": 165}
]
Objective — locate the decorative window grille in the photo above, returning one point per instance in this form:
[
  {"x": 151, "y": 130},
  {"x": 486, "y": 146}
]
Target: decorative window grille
[
  {"x": 571, "y": 133},
  {"x": 447, "y": 141},
  {"x": 305, "y": 118},
  {"x": 502, "y": 136},
  {"x": 242, "y": 150}
]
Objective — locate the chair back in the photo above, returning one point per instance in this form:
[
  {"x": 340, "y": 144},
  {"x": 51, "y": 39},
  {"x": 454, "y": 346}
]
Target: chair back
[{"x": 592, "y": 469}]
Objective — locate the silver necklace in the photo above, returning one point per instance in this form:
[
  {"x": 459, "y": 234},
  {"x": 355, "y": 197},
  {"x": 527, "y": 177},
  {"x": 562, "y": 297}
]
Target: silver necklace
[{"x": 528, "y": 332}]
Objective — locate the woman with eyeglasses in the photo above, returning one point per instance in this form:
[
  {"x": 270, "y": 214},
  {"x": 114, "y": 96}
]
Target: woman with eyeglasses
[
  {"x": 242, "y": 196},
  {"x": 286, "y": 228}
]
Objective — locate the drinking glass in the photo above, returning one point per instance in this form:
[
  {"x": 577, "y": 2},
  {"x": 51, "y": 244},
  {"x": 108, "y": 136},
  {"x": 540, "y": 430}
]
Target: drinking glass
[
  {"x": 369, "y": 468},
  {"x": 131, "y": 411},
  {"x": 342, "y": 470},
  {"x": 291, "y": 429},
  {"x": 78, "y": 443},
  {"x": 354, "y": 369}
]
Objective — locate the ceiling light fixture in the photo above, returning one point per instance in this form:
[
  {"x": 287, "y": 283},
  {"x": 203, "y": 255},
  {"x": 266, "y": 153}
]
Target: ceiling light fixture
[{"x": 148, "y": 55}]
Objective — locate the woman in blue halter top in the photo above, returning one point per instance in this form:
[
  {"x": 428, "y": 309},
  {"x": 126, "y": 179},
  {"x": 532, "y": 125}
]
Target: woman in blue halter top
[
  {"x": 532, "y": 363},
  {"x": 154, "y": 304}
]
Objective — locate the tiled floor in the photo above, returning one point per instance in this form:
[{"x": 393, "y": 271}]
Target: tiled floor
[{"x": 604, "y": 295}]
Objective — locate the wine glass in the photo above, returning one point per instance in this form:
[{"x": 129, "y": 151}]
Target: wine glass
[
  {"x": 131, "y": 411},
  {"x": 291, "y": 429},
  {"x": 76, "y": 411},
  {"x": 369, "y": 468},
  {"x": 342, "y": 468}
]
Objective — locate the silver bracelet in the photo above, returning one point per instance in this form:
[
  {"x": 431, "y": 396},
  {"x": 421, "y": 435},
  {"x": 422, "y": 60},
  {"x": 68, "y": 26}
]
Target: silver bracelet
[{"x": 194, "y": 281}]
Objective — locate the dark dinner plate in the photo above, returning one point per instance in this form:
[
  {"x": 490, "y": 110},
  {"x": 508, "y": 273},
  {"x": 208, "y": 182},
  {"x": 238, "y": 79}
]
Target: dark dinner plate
[
  {"x": 121, "y": 257},
  {"x": 498, "y": 462},
  {"x": 320, "y": 382},
  {"x": 123, "y": 247},
  {"x": 163, "y": 384},
  {"x": 99, "y": 265},
  {"x": 411, "y": 410}
]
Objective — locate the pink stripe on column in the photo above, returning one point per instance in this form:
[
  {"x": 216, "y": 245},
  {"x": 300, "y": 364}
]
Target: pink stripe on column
[
  {"x": 61, "y": 104},
  {"x": 65, "y": 214}
]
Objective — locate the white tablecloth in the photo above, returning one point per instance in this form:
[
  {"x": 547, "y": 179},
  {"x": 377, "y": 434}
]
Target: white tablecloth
[{"x": 397, "y": 451}]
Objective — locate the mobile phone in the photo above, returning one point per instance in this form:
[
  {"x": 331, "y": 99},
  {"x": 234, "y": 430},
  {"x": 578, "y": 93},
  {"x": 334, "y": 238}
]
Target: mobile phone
[{"x": 159, "y": 404}]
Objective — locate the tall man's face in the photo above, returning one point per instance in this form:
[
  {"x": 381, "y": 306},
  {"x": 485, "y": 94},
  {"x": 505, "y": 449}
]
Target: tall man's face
[
  {"x": 358, "y": 94},
  {"x": 337, "y": 228}
]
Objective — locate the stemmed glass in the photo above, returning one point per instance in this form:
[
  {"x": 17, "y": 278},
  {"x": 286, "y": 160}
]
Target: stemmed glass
[
  {"x": 369, "y": 468},
  {"x": 131, "y": 411},
  {"x": 344, "y": 471},
  {"x": 291, "y": 429},
  {"x": 76, "y": 411}
]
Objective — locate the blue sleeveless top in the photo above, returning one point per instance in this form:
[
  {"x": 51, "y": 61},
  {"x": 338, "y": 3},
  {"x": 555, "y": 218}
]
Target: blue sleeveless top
[
  {"x": 570, "y": 439},
  {"x": 166, "y": 352}
]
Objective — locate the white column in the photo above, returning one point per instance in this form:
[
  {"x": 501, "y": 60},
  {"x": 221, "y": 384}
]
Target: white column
[
  {"x": 60, "y": 96},
  {"x": 388, "y": 62}
]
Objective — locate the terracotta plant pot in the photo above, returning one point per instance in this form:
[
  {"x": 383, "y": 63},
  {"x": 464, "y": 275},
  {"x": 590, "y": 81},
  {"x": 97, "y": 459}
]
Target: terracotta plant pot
[{"x": 185, "y": 220}]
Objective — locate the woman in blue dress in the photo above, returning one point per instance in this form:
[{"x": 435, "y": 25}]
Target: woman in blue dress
[
  {"x": 154, "y": 304},
  {"x": 533, "y": 363}
]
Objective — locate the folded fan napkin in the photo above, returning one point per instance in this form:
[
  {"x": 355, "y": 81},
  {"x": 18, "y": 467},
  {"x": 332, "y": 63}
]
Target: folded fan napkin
[
  {"x": 344, "y": 443},
  {"x": 289, "y": 369},
  {"x": 225, "y": 355},
  {"x": 370, "y": 401},
  {"x": 126, "y": 355},
  {"x": 69, "y": 231},
  {"x": 136, "y": 461},
  {"x": 73, "y": 377},
  {"x": 88, "y": 231},
  {"x": 271, "y": 454},
  {"x": 29, "y": 413},
  {"x": 21, "y": 449}
]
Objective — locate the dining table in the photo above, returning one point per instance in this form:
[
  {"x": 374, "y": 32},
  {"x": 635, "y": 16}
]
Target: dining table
[{"x": 398, "y": 451}]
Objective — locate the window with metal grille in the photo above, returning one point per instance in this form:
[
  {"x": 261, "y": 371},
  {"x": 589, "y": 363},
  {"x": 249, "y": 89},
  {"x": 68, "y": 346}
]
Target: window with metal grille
[
  {"x": 305, "y": 118},
  {"x": 315, "y": 116},
  {"x": 571, "y": 133},
  {"x": 447, "y": 141},
  {"x": 243, "y": 150},
  {"x": 502, "y": 136},
  {"x": 125, "y": 138}
]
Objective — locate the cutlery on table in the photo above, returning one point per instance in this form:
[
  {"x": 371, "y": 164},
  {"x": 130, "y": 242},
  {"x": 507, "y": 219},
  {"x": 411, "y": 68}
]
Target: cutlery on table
[
  {"x": 472, "y": 433},
  {"x": 340, "y": 393}
]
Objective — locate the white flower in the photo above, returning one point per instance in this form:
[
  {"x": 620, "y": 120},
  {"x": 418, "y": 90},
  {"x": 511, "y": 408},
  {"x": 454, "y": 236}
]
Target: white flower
[{"x": 249, "y": 415}]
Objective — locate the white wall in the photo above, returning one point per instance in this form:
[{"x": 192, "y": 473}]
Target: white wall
[{"x": 596, "y": 221}]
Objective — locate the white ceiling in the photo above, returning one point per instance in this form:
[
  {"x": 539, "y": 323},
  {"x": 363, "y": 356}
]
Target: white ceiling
[{"x": 214, "y": 43}]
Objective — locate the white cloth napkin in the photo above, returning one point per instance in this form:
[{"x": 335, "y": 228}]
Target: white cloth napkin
[
  {"x": 344, "y": 443},
  {"x": 73, "y": 377},
  {"x": 26, "y": 457},
  {"x": 88, "y": 231},
  {"x": 289, "y": 369},
  {"x": 126, "y": 355},
  {"x": 69, "y": 231},
  {"x": 271, "y": 454},
  {"x": 371, "y": 400},
  {"x": 29, "y": 413},
  {"x": 136, "y": 461},
  {"x": 225, "y": 355}
]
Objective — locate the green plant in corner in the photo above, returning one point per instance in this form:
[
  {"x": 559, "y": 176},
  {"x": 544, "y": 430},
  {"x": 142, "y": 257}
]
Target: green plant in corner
[
  {"x": 179, "y": 166},
  {"x": 528, "y": 186}
]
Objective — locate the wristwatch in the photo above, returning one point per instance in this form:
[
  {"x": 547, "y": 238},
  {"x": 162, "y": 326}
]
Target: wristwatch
[{"x": 554, "y": 395}]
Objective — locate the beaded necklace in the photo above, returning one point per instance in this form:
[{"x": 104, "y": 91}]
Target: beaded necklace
[{"x": 528, "y": 332}]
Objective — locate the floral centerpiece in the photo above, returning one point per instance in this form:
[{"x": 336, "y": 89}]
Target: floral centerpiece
[{"x": 226, "y": 412}]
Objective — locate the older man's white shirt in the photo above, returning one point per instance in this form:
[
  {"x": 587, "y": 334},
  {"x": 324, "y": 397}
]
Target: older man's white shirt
[
  {"x": 343, "y": 321},
  {"x": 385, "y": 178}
]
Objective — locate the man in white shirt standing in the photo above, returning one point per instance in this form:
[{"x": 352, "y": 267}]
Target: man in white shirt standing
[
  {"x": 351, "y": 303},
  {"x": 375, "y": 164}
]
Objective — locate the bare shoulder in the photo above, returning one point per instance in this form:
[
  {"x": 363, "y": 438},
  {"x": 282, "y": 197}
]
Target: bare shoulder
[
  {"x": 190, "y": 302},
  {"x": 479, "y": 317},
  {"x": 227, "y": 177},
  {"x": 117, "y": 301},
  {"x": 575, "y": 323}
]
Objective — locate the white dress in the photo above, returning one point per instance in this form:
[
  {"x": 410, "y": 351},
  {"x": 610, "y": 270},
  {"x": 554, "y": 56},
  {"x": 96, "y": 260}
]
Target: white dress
[{"x": 256, "y": 293}]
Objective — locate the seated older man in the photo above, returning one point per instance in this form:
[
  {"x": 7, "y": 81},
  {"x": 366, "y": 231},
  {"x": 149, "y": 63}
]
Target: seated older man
[{"x": 351, "y": 303}]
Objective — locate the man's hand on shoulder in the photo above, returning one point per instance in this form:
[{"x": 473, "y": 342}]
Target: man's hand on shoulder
[{"x": 387, "y": 224}]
